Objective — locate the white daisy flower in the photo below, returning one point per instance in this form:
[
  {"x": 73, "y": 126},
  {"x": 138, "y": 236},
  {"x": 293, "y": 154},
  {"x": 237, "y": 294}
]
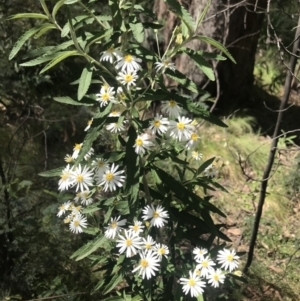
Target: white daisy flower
[
  {"x": 148, "y": 243},
  {"x": 211, "y": 171},
  {"x": 128, "y": 63},
  {"x": 89, "y": 123},
  {"x": 110, "y": 54},
  {"x": 63, "y": 208},
  {"x": 105, "y": 96},
  {"x": 77, "y": 223},
  {"x": 199, "y": 253},
  {"x": 88, "y": 155},
  {"x": 115, "y": 127},
  {"x": 196, "y": 155},
  {"x": 193, "y": 284},
  {"x": 112, "y": 178},
  {"x": 68, "y": 159},
  {"x": 215, "y": 277},
  {"x": 130, "y": 243},
  {"x": 84, "y": 197},
  {"x": 82, "y": 178},
  {"x": 157, "y": 215},
  {"x": 182, "y": 129},
  {"x": 66, "y": 178},
  {"x": 164, "y": 65},
  {"x": 171, "y": 108},
  {"x": 148, "y": 264},
  {"x": 228, "y": 259},
  {"x": 75, "y": 210},
  {"x": 114, "y": 113},
  {"x": 100, "y": 166},
  {"x": 137, "y": 228},
  {"x": 114, "y": 227},
  {"x": 161, "y": 250},
  {"x": 205, "y": 265},
  {"x": 127, "y": 78},
  {"x": 193, "y": 140},
  {"x": 76, "y": 150},
  {"x": 142, "y": 142},
  {"x": 159, "y": 125}
]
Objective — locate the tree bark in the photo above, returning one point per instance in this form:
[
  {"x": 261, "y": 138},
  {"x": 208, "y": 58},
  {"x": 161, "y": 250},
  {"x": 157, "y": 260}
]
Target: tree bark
[{"x": 237, "y": 25}]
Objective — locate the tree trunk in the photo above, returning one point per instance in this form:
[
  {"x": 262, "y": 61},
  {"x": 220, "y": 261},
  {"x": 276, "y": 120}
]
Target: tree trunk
[{"x": 237, "y": 25}]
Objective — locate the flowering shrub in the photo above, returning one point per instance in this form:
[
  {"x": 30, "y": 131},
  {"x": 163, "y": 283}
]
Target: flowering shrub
[{"x": 138, "y": 199}]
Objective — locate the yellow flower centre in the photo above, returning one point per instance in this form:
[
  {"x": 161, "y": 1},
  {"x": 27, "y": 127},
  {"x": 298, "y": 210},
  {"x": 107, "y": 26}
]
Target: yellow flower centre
[
  {"x": 109, "y": 176},
  {"x": 166, "y": 63},
  {"x": 197, "y": 272},
  {"x": 128, "y": 58},
  {"x": 216, "y": 277},
  {"x": 62, "y": 207},
  {"x": 155, "y": 214},
  {"x": 67, "y": 220},
  {"x": 113, "y": 225},
  {"x": 110, "y": 49},
  {"x": 114, "y": 113},
  {"x": 136, "y": 227},
  {"x": 192, "y": 282},
  {"x": 229, "y": 257},
  {"x": 144, "y": 263},
  {"x": 76, "y": 223},
  {"x": 172, "y": 103},
  {"x": 148, "y": 246},
  {"x": 128, "y": 242},
  {"x": 77, "y": 208},
  {"x": 156, "y": 123},
  {"x": 205, "y": 264},
  {"x": 68, "y": 159},
  {"x": 128, "y": 78},
  {"x": 194, "y": 137},
  {"x": 139, "y": 142},
  {"x": 180, "y": 126},
  {"x": 79, "y": 178},
  {"x": 100, "y": 163},
  {"x": 161, "y": 251},
  {"x": 90, "y": 122},
  {"x": 77, "y": 146},
  {"x": 105, "y": 96}
]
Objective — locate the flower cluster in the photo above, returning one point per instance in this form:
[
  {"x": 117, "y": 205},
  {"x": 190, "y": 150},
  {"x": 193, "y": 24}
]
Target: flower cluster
[
  {"x": 208, "y": 271},
  {"x": 133, "y": 241}
]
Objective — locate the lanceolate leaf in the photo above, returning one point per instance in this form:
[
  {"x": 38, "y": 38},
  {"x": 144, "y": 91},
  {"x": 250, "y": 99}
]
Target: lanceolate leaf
[
  {"x": 182, "y": 13},
  {"x": 85, "y": 80},
  {"x": 203, "y": 14},
  {"x": 27, "y": 35},
  {"x": 44, "y": 30},
  {"x": 68, "y": 100},
  {"x": 115, "y": 280},
  {"x": 138, "y": 31},
  {"x": 202, "y": 64},
  {"x": 217, "y": 45},
  {"x": 56, "y": 7},
  {"x": 183, "y": 80},
  {"x": 28, "y": 15},
  {"x": 40, "y": 60},
  {"x": 60, "y": 58},
  {"x": 51, "y": 173}
]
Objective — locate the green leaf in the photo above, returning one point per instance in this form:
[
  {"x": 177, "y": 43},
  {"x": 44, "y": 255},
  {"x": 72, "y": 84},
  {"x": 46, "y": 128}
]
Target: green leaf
[
  {"x": 217, "y": 45},
  {"x": 116, "y": 298},
  {"x": 115, "y": 280},
  {"x": 68, "y": 100},
  {"x": 131, "y": 160},
  {"x": 52, "y": 173},
  {"x": 203, "y": 14},
  {"x": 202, "y": 64},
  {"x": 27, "y": 35},
  {"x": 68, "y": 2},
  {"x": 27, "y": 15},
  {"x": 61, "y": 57},
  {"x": 183, "y": 80},
  {"x": 205, "y": 164},
  {"x": 200, "y": 298},
  {"x": 85, "y": 80},
  {"x": 39, "y": 60},
  {"x": 138, "y": 31},
  {"x": 182, "y": 13},
  {"x": 56, "y": 7},
  {"x": 44, "y": 30},
  {"x": 92, "y": 246}
]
